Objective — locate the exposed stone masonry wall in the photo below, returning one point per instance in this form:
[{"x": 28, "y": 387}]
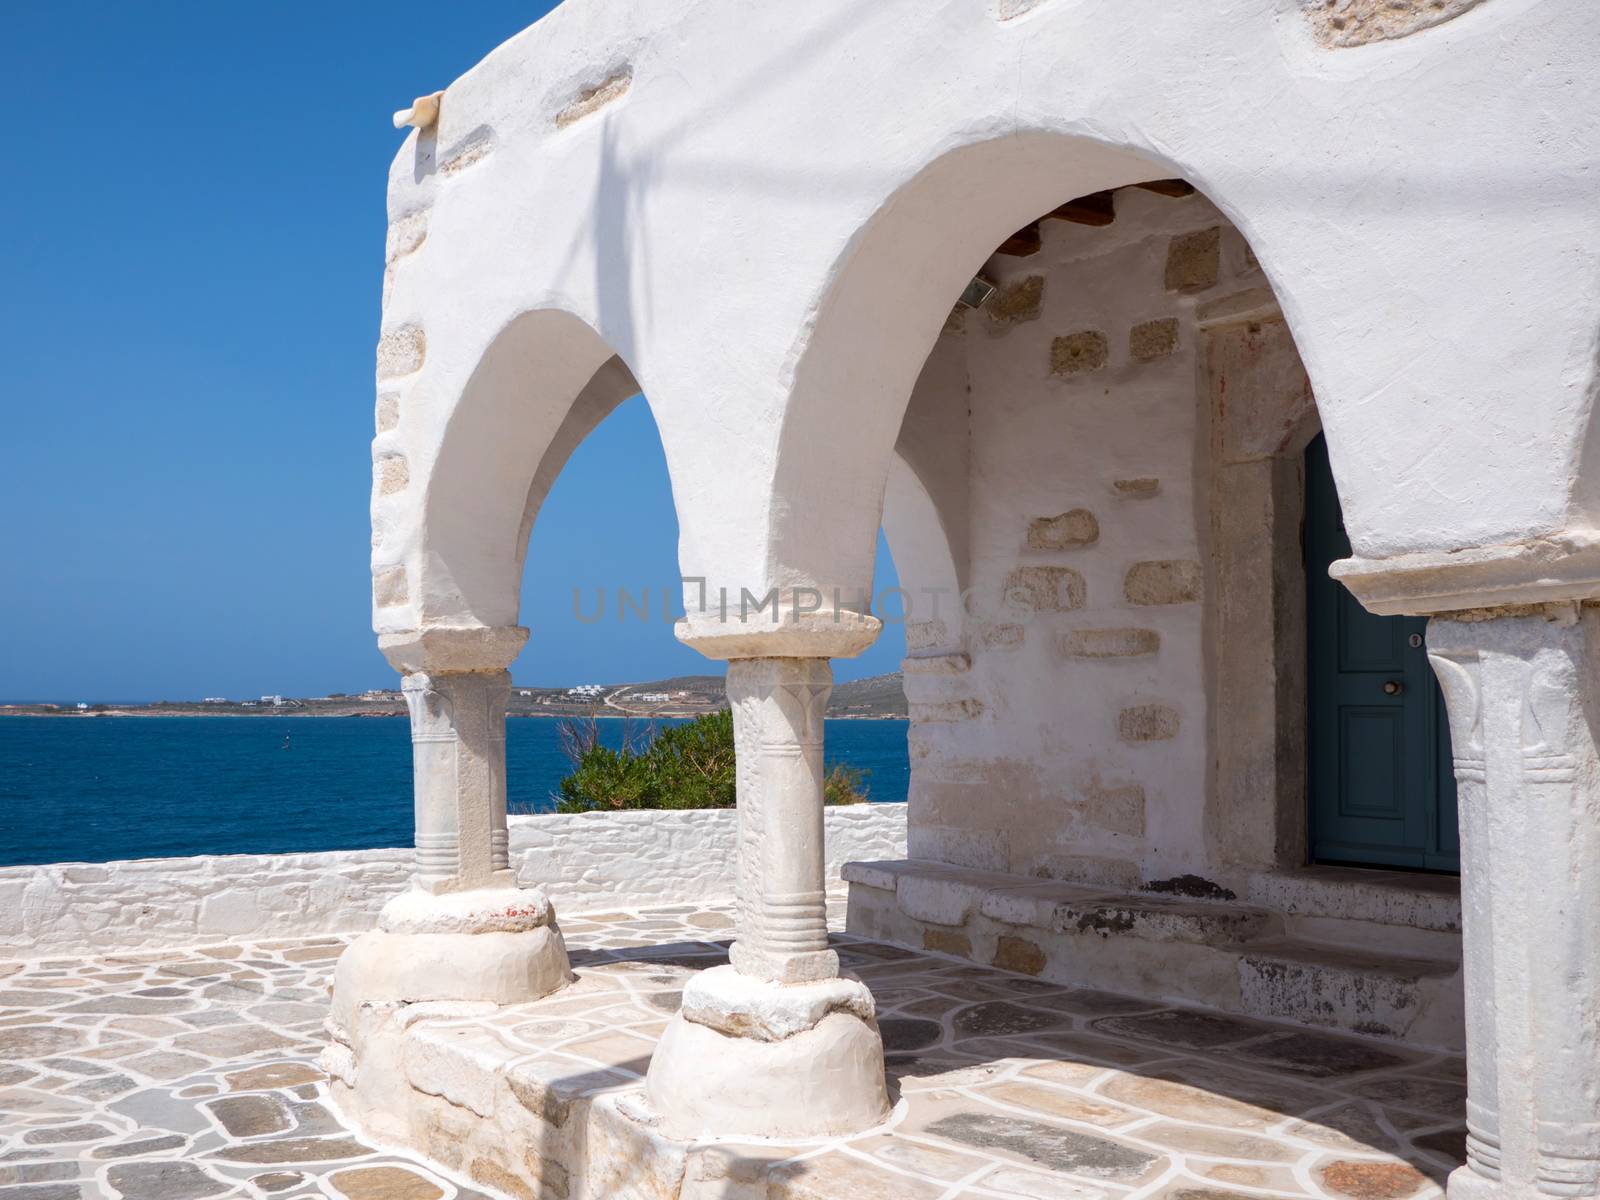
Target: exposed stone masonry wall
[
  {"x": 1067, "y": 737},
  {"x": 586, "y": 861}
]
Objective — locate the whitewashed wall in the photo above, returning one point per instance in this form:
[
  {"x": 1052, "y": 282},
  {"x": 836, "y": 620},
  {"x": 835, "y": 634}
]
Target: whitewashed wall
[{"x": 587, "y": 861}]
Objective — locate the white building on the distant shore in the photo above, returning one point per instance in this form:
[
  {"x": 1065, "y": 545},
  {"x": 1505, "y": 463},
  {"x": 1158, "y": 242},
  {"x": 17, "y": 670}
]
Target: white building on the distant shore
[
  {"x": 215, "y": 700},
  {"x": 586, "y": 690}
]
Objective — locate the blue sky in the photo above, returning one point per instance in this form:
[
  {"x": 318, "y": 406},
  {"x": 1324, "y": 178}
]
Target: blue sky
[{"x": 189, "y": 280}]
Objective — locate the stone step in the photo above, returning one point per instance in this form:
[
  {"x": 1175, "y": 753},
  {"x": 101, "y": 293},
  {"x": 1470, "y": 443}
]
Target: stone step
[
  {"x": 1239, "y": 957},
  {"x": 1379, "y": 994}
]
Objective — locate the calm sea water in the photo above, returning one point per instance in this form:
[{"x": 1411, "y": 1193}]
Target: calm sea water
[{"x": 91, "y": 789}]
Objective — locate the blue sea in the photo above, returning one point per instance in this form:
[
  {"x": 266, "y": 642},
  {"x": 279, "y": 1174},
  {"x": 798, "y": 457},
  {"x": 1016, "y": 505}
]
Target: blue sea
[{"x": 93, "y": 789}]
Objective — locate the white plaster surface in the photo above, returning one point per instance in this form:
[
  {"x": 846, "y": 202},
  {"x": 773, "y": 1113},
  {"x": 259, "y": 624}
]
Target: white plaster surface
[
  {"x": 1433, "y": 249},
  {"x": 584, "y": 861}
]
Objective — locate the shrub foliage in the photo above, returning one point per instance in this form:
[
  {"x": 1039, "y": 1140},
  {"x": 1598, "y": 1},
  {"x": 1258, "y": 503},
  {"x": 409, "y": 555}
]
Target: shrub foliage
[{"x": 679, "y": 766}]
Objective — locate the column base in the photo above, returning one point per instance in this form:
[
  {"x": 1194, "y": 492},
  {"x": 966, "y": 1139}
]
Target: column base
[
  {"x": 499, "y": 945},
  {"x": 749, "y": 1058}
]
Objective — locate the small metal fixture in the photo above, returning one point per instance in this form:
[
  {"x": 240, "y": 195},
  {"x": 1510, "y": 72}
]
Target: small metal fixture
[
  {"x": 976, "y": 294},
  {"x": 1414, "y": 641},
  {"x": 1393, "y": 687}
]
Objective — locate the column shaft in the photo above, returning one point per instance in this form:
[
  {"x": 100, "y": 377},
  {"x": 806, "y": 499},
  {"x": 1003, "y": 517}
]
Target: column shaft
[
  {"x": 778, "y": 706},
  {"x": 459, "y": 773},
  {"x": 1522, "y": 701}
]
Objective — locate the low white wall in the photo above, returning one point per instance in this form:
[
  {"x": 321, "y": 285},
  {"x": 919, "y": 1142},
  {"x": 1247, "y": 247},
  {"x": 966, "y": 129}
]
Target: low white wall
[{"x": 586, "y": 861}]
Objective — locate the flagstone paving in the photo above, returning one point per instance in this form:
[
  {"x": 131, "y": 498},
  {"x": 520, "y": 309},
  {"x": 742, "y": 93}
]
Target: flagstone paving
[{"x": 187, "y": 1075}]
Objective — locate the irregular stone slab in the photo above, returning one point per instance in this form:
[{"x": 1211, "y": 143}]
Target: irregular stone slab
[
  {"x": 1321, "y": 1055},
  {"x": 385, "y": 1183},
  {"x": 149, "y": 1145},
  {"x": 274, "y": 1075},
  {"x": 1420, "y": 1095},
  {"x": 1050, "y": 1146},
  {"x": 250, "y": 1116},
  {"x": 907, "y": 1033},
  {"x": 1184, "y": 1028},
  {"x": 835, "y": 1176},
  {"x": 276, "y": 1181},
  {"x": 38, "y": 1172},
  {"x": 1372, "y": 1180},
  {"x": 1030, "y": 1185},
  {"x": 55, "y": 1135},
  {"x": 45, "y": 1191},
  {"x": 1000, "y": 1017},
  {"x": 294, "y": 1150},
  {"x": 165, "y": 1065},
  {"x": 1052, "y": 1102},
  {"x": 38, "y": 1041},
  {"x": 163, "y": 1181},
  {"x": 162, "y": 1110}
]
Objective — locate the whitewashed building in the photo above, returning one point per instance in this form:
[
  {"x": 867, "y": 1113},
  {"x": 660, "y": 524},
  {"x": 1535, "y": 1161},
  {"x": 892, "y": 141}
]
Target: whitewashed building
[{"x": 1271, "y": 406}]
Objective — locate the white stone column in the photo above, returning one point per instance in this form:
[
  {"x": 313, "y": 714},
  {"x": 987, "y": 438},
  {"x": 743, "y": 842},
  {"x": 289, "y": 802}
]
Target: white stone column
[
  {"x": 464, "y": 930},
  {"x": 458, "y": 755},
  {"x": 1520, "y": 685},
  {"x": 778, "y": 1043},
  {"x": 778, "y": 706}
]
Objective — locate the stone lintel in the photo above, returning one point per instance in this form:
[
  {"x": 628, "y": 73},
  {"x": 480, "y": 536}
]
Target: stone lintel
[
  {"x": 788, "y": 633},
  {"x": 1557, "y": 568},
  {"x": 447, "y": 649}
]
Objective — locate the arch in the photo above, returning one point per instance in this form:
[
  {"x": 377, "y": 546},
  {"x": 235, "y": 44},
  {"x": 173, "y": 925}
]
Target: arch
[
  {"x": 544, "y": 383},
  {"x": 889, "y": 296},
  {"x": 919, "y": 539}
]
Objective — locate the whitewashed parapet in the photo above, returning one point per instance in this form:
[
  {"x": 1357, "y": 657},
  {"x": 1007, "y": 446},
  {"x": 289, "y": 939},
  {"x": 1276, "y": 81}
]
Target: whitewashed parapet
[{"x": 585, "y": 860}]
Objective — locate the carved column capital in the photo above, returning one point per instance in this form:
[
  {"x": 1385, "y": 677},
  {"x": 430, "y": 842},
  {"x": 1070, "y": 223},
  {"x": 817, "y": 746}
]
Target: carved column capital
[
  {"x": 1520, "y": 687},
  {"x": 449, "y": 649}
]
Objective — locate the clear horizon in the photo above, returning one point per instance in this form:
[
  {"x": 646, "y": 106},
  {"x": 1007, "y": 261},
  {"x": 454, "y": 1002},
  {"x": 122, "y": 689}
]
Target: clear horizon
[{"x": 194, "y": 255}]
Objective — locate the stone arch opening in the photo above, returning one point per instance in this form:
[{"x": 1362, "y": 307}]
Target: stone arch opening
[{"x": 1108, "y": 453}]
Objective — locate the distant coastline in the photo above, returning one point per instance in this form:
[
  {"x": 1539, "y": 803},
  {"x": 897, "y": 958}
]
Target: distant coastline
[{"x": 877, "y": 698}]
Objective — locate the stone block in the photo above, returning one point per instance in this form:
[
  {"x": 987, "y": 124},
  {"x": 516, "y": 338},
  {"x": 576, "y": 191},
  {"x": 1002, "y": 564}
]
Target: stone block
[
  {"x": 1018, "y": 954},
  {"x": 387, "y": 415},
  {"x": 393, "y": 474},
  {"x": 1147, "y": 723},
  {"x": 389, "y": 587},
  {"x": 405, "y": 235},
  {"x": 1044, "y": 589},
  {"x": 1150, "y": 340},
  {"x": 1136, "y": 489},
  {"x": 1167, "y": 581},
  {"x": 1194, "y": 260},
  {"x": 401, "y": 352},
  {"x": 947, "y": 941},
  {"x": 1108, "y": 643},
  {"x": 1116, "y": 808},
  {"x": 1015, "y": 302},
  {"x": 1340, "y": 23},
  {"x": 1253, "y": 304},
  {"x": 1001, "y": 636},
  {"x": 1069, "y": 531},
  {"x": 1078, "y": 353}
]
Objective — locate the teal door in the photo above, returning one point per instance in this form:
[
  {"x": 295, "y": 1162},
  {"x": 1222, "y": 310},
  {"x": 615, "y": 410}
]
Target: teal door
[{"x": 1381, "y": 787}]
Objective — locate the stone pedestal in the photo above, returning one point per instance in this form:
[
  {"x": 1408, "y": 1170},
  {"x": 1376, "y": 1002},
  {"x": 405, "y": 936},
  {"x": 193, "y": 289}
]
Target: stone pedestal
[
  {"x": 1520, "y": 686},
  {"x": 464, "y": 931},
  {"x": 777, "y": 1044}
]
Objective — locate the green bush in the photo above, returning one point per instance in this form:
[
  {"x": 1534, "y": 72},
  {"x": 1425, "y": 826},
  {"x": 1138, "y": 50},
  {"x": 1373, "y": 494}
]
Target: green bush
[{"x": 681, "y": 766}]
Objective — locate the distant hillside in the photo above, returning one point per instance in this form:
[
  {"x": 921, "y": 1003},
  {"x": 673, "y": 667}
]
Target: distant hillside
[
  {"x": 874, "y": 696},
  {"x": 680, "y": 696}
]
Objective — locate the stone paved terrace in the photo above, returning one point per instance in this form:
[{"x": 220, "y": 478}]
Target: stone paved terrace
[{"x": 185, "y": 1074}]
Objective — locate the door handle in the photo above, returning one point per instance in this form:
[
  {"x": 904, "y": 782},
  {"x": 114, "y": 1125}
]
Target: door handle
[{"x": 1393, "y": 687}]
